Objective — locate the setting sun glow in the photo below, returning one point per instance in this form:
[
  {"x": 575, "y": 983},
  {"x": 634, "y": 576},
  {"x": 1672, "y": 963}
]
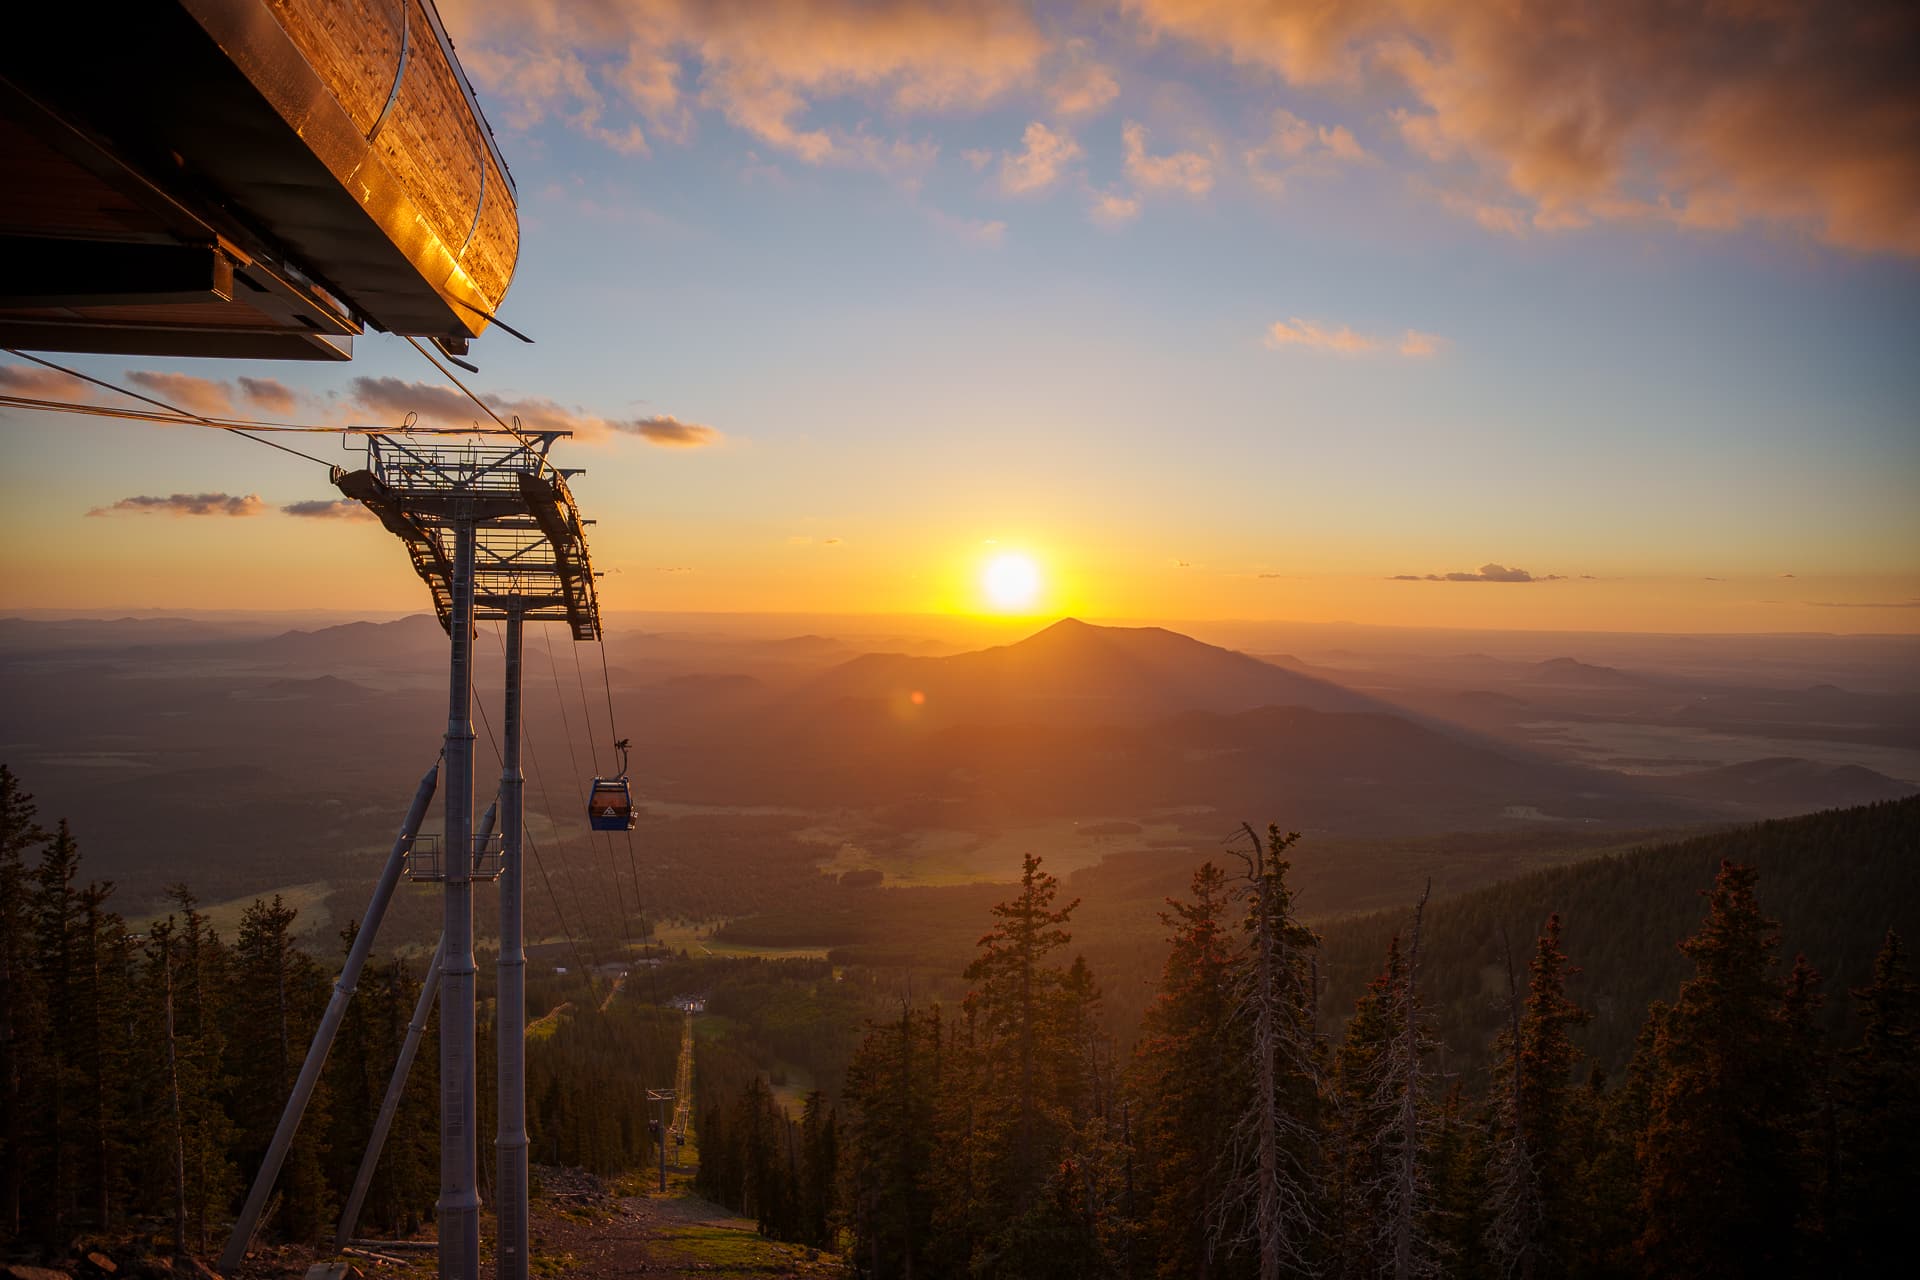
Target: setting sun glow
[{"x": 1012, "y": 581}]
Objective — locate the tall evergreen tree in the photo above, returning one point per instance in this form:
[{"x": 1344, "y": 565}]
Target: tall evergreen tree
[
  {"x": 1359, "y": 1113},
  {"x": 104, "y": 1044},
  {"x": 56, "y": 1131},
  {"x": 1017, "y": 994},
  {"x": 171, "y": 1137},
  {"x": 1457, "y": 1216},
  {"x": 1030, "y": 1012},
  {"x": 200, "y": 987},
  {"x": 1550, "y": 1114},
  {"x": 1189, "y": 1073},
  {"x": 1406, "y": 1187},
  {"x": 277, "y": 995},
  {"x": 819, "y": 1170},
  {"x": 1879, "y": 1122},
  {"x": 1382, "y": 1195},
  {"x": 20, "y": 833},
  {"x": 890, "y": 1100},
  {"x": 1722, "y": 1170}
]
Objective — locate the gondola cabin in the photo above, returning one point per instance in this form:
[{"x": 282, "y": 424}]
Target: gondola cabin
[{"x": 610, "y": 805}]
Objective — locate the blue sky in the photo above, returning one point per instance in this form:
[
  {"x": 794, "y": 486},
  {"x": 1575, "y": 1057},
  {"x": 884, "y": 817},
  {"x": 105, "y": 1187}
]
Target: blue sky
[{"x": 828, "y": 230}]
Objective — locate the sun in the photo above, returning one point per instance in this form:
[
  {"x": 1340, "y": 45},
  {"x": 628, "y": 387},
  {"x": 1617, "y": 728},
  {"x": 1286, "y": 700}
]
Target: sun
[{"x": 1012, "y": 581}]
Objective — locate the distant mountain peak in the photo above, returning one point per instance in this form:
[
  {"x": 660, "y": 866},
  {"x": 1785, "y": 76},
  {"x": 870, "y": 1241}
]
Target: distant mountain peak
[{"x": 1072, "y": 671}]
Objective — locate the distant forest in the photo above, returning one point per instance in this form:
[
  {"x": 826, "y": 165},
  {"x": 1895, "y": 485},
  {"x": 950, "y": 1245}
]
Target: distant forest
[{"x": 1762, "y": 1123}]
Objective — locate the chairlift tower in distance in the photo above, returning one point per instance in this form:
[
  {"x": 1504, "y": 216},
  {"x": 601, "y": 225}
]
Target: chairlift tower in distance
[{"x": 491, "y": 527}]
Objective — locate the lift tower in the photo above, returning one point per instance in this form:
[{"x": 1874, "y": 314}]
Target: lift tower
[{"x": 491, "y": 527}]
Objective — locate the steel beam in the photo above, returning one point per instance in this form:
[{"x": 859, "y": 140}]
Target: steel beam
[
  {"x": 397, "y": 1085},
  {"x": 512, "y": 1236},
  {"x": 459, "y": 1206}
]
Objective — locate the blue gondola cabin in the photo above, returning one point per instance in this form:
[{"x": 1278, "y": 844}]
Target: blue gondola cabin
[{"x": 610, "y": 805}]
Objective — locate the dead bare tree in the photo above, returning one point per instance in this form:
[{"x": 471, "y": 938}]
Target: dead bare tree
[{"x": 1270, "y": 1187}]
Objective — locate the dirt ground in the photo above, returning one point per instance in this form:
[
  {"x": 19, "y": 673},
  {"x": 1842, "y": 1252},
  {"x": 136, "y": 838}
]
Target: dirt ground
[{"x": 584, "y": 1229}]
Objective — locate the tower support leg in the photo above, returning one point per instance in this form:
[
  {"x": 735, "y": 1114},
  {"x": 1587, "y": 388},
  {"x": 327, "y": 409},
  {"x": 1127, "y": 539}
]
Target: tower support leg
[
  {"x": 397, "y": 1085},
  {"x": 511, "y": 1143},
  {"x": 459, "y": 1205}
]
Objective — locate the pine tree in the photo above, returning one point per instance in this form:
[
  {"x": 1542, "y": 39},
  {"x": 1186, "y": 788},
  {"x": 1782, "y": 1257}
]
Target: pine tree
[
  {"x": 890, "y": 1102},
  {"x": 1382, "y": 1181},
  {"x": 1031, "y": 1192},
  {"x": 1879, "y": 1122},
  {"x": 819, "y": 1170},
  {"x": 1188, "y": 1073},
  {"x": 55, "y": 1132},
  {"x": 200, "y": 985},
  {"x": 1513, "y": 1169},
  {"x": 1017, "y": 997},
  {"x": 172, "y": 1138},
  {"x": 1406, "y": 1186},
  {"x": 404, "y": 1183},
  {"x": 1360, "y": 1112},
  {"x": 1722, "y": 1171},
  {"x": 19, "y": 1000},
  {"x": 1548, "y": 1107},
  {"x": 104, "y": 1044},
  {"x": 1612, "y": 1209},
  {"x": 1457, "y": 1152},
  {"x": 355, "y": 1076},
  {"x": 277, "y": 996}
]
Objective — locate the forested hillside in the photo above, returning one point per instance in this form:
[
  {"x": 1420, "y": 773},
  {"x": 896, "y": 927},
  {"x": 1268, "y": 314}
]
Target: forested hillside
[
  {"x": 145, "y": 1064},
  {"x": 1836, "y": 881},
  {"x": 1261, "y": 1126}
]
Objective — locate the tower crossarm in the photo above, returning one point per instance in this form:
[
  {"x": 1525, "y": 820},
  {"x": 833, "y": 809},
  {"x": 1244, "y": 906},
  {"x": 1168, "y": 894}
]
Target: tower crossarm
[{"x": 531, "y": 545}]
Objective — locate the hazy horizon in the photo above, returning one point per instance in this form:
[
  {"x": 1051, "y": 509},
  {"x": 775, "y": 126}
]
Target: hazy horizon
[{"x": 753, "y": 620}]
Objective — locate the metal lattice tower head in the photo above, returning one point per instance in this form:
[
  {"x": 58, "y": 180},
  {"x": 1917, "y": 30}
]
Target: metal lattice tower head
[{"x": 531, "y": 544}]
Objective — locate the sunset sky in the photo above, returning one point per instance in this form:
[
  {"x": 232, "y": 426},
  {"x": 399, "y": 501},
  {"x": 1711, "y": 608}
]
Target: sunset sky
[{"x": 1591, "y": 315}]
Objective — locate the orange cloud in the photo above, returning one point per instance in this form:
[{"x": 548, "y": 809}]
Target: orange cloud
[
  {"x": 1188, "y": 171},
  {"x": 269, "y": 394},
  {"x": 1319, "y": 337},
  {"x": 205, "y": 396},
  {"x": 328, "y": 509},
  {"x": 446, "y": 406},
  {"x": 1706, "y": 113},
  {"x": 1085, "y": 89},
  {"x": 665, "y": 429},
  {"x": 1043, "y": 156},
  {"x": 35, "y": 383},
  {"x": 1342, "y": 340},
  {"x": 761, "y": 63},
  {"x": 208, "y": 397},
  {"x": 977, "y": 230},
  {"x": 1113, "y": 207},
  {"x": 1297, "y": 148}
]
